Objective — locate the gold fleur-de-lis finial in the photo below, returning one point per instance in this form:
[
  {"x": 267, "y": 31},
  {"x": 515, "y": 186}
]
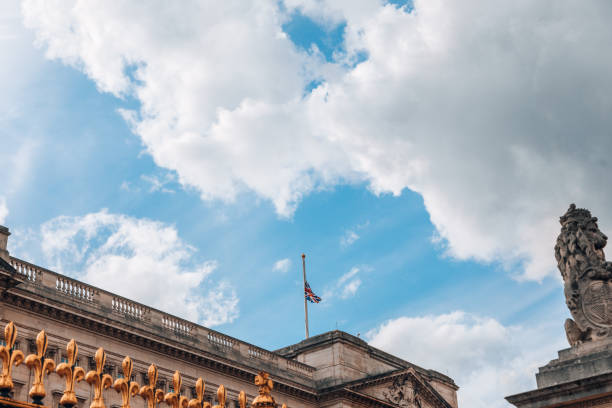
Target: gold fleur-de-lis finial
[
  {"x": 72, "y": 373},
  {"x": 265, "y": 384},
  {"x": 221, "y": 397},
  {"x": 152, "y": 395},
  {"x": 124, "y": 385},
  {"x": 174, "y": 398},
  {"x": 242, "y": 401},
  {"x": 10, "y": 358},
  {"x": 98, "y": 380},
  {"x": 41, "y": 366},
  {"x": 198, "y": 401}
]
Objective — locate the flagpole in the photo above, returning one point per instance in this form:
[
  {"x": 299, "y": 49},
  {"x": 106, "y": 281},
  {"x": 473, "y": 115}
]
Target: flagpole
[{"x": 305, "y": 303}]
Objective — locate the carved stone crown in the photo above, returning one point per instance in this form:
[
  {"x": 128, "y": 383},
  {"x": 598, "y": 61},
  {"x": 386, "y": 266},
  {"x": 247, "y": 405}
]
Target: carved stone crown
[{"x": 578, "y": 215}]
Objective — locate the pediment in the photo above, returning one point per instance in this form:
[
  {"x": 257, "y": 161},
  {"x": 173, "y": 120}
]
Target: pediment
[{"x": 404, "y": 389}]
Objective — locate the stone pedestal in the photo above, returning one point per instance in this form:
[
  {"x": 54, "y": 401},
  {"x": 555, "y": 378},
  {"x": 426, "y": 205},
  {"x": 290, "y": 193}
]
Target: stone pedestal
[{"x": 580, "y": 377}]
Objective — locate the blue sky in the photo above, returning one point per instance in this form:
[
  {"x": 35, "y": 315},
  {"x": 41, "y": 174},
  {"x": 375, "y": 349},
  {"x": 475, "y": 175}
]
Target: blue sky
[{"x": 425, "y": 198}]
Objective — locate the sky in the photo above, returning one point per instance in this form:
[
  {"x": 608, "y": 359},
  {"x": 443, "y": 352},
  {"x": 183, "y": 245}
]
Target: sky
[{"x": 185, "y": 154}]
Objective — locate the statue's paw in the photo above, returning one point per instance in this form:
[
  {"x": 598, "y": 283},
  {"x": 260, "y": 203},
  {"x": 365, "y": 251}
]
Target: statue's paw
[{"x": 575, "y": 336}]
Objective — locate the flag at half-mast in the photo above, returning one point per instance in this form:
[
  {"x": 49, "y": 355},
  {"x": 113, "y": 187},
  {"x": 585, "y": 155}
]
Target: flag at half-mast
[{"x": 309, "y": 294}]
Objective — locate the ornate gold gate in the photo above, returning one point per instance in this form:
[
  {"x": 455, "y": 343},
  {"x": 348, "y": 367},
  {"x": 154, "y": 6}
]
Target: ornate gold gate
[{"x": 41, "y": 367}]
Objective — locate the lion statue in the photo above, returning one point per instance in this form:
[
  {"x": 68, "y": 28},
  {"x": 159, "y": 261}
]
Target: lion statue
[{"x": 586, "y": 276}]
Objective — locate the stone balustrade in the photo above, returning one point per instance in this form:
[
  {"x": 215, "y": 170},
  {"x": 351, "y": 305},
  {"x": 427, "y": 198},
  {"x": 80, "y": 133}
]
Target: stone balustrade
[
  {"x": 221, "y": 340},
  {"x": 257, "y": 352},
  {"x": 178, "y": 325},
  {"x": 131, "y": 312},
  {"x": 75, "y": 289},
  {"x": 130, "y": 308},
  {"x": 31, "y": 273}
]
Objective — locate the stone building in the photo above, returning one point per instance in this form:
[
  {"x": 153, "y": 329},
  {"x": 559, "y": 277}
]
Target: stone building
[{"x": 334, "y": 369}]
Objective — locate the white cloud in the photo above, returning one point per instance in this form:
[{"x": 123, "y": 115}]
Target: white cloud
[
  {"x": 3, "y": 209},
  {"x": 127, "y": 186},
  {"x": 159, "y": 183},
  {"x": 487, "y": 360},
  {"x": 347, "y": 285},
  {"x": 348, "y": 238},
  {"x": 351, "y": 236},
  {"x": 282, "y": 265},
  {"x": 349, "y": 275},
  {"x": 140, "y": 259},
  {"x": 496, "y": 112},
  {"x": 350, "y": 289}
]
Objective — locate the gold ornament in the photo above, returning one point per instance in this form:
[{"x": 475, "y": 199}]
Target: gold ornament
[
  {"x": 72, "y": 373},
  {"x": 98, "y": 380},
  {"x": 152, "y": 395},
  {"x": 199, "y": 402},
  {"x": 264, "y": 399},
  {"x": 124, "y": 386},
  {"x": 41, "y": 366},
  {"x": 221, "y": 397},
  {"x": 174, "y": 398},
  {"x": 242, "y": 401},
  {"x": 9, "y": 358}
]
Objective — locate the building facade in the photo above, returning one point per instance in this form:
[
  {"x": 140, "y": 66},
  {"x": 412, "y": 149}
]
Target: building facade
[{"x": 334, "y": 369}]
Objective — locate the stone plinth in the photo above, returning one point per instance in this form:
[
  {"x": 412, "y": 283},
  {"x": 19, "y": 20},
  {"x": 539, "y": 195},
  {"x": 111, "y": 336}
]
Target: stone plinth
[{"x": 580, "y": 377}]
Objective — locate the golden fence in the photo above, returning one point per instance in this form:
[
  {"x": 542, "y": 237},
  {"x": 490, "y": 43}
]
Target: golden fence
[{"x": 100, "y": 381}]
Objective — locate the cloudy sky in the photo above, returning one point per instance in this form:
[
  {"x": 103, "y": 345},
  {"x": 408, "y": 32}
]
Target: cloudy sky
[{"x": 420, "y": 154}]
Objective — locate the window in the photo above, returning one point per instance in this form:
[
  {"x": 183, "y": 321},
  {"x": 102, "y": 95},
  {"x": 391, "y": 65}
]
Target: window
[{"x": 108, "y": 369}]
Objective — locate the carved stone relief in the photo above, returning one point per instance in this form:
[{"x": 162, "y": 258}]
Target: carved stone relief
[{"x": 403, "y": 392}]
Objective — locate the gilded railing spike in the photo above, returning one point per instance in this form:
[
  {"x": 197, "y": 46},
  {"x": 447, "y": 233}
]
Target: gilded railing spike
[
  {"x": 10, "y": 358},
  {"x": 72, "y": 373},
  {"x": 149, "y": 393},
  {"x": 242, "y": 400},
  {"x": 41, "y": 366},
  {"x": 265, "y": 384},
  {"x": 221, "y": 397},
  {"x": 125, "y": 386},
  {"x": 98, "y": 380},
  {"x": 174, "y": 398},
  {"x": 199, "y": 402}
]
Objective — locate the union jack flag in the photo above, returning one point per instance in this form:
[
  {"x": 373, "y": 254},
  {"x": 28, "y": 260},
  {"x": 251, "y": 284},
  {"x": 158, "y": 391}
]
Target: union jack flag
[{"x": 309, "y": 294}]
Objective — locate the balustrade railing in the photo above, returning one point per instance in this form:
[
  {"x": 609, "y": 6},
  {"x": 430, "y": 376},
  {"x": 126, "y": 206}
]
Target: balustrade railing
[
  {"x": 75, "y": 289},
  {"x": 220, "y": 341},
  {"x": 177, "y": 325},
  {"x": 27, "y": 270},
  {"x": 129, "y": 308},
  {"x": 256, "y": 352},
  {"x": 138, "y": 313}
]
